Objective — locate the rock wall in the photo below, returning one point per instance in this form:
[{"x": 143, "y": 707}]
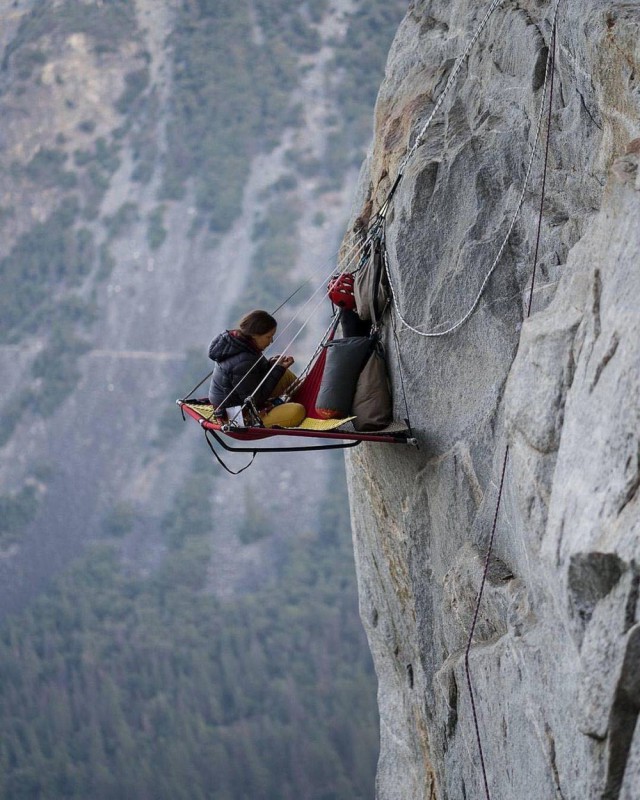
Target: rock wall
[{"x": 555, "y": 659}]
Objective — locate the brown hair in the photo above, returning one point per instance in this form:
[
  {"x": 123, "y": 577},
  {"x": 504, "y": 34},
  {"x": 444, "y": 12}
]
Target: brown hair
[{"x": 257, "y": 323}]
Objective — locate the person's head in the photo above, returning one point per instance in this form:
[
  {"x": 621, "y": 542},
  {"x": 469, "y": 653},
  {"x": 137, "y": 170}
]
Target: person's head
[{"x": 260, "y": 326}]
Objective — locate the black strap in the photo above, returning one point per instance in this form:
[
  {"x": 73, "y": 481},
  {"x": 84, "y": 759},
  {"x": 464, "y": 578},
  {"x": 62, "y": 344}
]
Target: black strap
[
  {"x": 221, "y": 462},
  {"x": 305, "y": 449}
]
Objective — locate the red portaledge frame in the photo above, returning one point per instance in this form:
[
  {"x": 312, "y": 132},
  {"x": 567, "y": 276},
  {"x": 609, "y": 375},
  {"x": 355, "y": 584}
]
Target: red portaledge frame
[{"x": 253, "y": 434}]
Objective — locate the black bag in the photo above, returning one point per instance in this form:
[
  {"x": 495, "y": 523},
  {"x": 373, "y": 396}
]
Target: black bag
[
  {"x": 345, "y": 359},
  {"x": 371, "y": 289},
  {"x": 352, "y": 325},
  {"x": 372, "y": 403}
]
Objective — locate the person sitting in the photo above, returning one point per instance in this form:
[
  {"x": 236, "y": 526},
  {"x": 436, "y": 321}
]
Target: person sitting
[{"x": 242, "y": 371}]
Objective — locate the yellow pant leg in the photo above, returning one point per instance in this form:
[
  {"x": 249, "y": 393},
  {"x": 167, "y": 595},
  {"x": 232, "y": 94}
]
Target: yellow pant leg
[
  {"x": 284, "y": 383},
  {"x": 287, "y": 415}
]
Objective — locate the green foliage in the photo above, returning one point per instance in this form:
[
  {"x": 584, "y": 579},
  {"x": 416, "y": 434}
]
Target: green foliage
[
  {"x": 317, "y": 9},
  {"x": 304, "y": 164},
  {"x": 144, "y": 138},
  {"x": 46, "y": 168},
  {"x": 106, "y": 155},
  {"x": 87, "y": 126},
  {"x": 82, "y": 157},
  {"x": 135, "y": 83},
  {"x": 6, "y": 215},
  {"x": 57, "y": 367},
  {"x": 183, "y": 376},
  {"x": 119, "y": 223},
  {"x": 51, "y": 254},
  {"x": 254, "y": 524},
  {"x": 285, "y": 183},
  {"x": 106, "y": 262},
  {"x": 115, "y": 686},
  {"x": 358, "y": 69},
  {"x": 16, "y": 512},
  {"x": 95, "y": 184},
  {"x": 232, "y": 96},
  {"x": 275, "y": 253},
  {"x": 119, "y": 521},
  {"x": 60, "y": 318},
  {"x": 156, "y": 232},
  {"x": 26, "y": 60},
  {"x": 318, "y": 219},
  {"x": 107, "y": 24},
  {"x": 10, "y": 416}
]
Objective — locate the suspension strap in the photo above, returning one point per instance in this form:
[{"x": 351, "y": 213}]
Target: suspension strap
[
  {"x": 349, "y": 258},
  {"x": 197, "y": 386},
  {"x": 221, "y": 462}
]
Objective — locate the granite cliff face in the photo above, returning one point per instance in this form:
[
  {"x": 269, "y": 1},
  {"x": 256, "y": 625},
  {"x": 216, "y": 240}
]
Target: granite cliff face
[{"x": 555, "y": 659}]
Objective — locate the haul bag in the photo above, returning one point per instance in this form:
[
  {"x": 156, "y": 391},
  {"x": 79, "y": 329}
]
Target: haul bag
[
  {"x": 371, "y": 289},
  {"x": 372, "y": 403},
  {"x": 345, "y": 359}
]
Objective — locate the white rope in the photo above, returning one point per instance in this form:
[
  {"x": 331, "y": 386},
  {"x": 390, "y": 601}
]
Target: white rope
[
  {"x": 472, "y": 308},
  {"x": 458, "y": 65}
]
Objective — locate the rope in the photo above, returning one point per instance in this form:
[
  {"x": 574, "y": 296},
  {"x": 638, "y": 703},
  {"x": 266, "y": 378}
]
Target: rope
[
  {"x": 550, "y": 67},
  {"x": 350, "y": 257},
  {"x": 305, "y": 322},
  {"x": 297, "y": 334},
  {"x": 552, "y": 55},
  {"x": 291, "y": 296},
  {"x": 474, "y": 305},
  {"x": 291, "y": 390},
  {"x": 457, "y": 67},
  {"x": 473, "y": 627}
]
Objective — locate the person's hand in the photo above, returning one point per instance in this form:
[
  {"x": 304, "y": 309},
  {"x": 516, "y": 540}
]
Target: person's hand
[{"x": 286, "y": 361}]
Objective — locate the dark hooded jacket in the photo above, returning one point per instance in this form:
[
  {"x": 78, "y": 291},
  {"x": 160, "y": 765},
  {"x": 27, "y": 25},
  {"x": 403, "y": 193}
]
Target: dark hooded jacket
[{"x": 231, "y": 382}]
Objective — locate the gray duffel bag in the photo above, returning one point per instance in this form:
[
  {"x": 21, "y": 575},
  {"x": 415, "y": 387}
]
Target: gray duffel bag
[{"x": 345, "y": 360}]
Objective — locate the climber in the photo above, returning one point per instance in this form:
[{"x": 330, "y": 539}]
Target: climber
[{"x": 243, "y": 372}]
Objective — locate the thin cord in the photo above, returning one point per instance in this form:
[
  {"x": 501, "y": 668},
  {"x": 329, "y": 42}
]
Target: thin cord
[
  {"x": 347, "y": 260},
  {"x": 473, "y": 627},
  {"x": 351, "y": 260},
  {"x": 551, "y": 66}
]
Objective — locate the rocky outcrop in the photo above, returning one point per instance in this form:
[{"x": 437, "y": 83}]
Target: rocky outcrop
[{"x": 555, "y": 654}]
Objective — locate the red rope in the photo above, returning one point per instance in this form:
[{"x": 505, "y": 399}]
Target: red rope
[{"x": 506, "y": 452}]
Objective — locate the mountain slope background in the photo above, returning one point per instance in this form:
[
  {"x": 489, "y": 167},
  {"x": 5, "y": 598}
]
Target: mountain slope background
[{"x": 164, "y": 166}]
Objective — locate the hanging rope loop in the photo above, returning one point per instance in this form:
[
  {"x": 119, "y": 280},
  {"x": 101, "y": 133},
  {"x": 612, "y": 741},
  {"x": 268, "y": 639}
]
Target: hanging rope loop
[{"x": 438, "y": 333}]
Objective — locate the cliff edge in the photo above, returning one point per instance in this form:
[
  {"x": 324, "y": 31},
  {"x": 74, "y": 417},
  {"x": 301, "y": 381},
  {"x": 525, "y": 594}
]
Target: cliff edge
[{"x": 554, "y": 657}]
